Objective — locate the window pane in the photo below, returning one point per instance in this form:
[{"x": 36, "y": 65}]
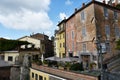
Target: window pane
[
  {"x": 83, "y": 31},
  {"x": 107, "y": 31},
  {"x": 36, "y": 76},
  {"x": 10, "y": 58},
  {"x": 84, "y": 47},
  {"x": 105, "y": 12},
  {"x": 32, "y": 75},
  {"x": 115, "y": 15},
  {"x": 40, "y": 78},
  {"x": 117, "y": 31},
  {"x": 82, "y": 15}
]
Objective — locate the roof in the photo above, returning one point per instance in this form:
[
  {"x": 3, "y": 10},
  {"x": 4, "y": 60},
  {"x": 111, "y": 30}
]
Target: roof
[
  {"x": 92, "y": 2},
  {"x": 4, "y": 64},
  {"x": 27, "y": 36},
  {"x": 61, "y": 22}
]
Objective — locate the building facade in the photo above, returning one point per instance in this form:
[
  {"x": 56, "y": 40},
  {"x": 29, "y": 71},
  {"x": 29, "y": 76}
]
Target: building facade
[
  {"x": 84, "y": 27},
  {"x": 60, "y": 40},
  {"x": 10, "y": 56}
]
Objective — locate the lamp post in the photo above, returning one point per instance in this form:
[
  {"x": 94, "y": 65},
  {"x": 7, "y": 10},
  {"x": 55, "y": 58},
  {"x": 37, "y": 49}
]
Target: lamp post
[{"x": 99, "y": 48}]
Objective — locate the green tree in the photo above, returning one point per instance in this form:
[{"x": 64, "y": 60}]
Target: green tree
[
  {"x": 10, "y": 44},
  {"x": 118, "y": 45},
  {"x": 118, "y": 6}
]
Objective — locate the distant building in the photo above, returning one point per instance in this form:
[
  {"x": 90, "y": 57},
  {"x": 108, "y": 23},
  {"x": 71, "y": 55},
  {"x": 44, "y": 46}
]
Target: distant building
[{"x": 40, "y": 42}]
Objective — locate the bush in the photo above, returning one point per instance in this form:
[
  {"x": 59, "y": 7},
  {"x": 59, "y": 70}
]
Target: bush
[
  {"x": 39, "y": 62},
  {"x": 77, "y": 67}
]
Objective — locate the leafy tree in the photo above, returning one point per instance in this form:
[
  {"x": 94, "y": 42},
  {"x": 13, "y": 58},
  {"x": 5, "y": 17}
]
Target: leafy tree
[
  {"x": 118, "y": 6},
  {"x": 118, "y": 45},
  {"x": 10, "y": 44},
  {"x": 77, "y": 67}
]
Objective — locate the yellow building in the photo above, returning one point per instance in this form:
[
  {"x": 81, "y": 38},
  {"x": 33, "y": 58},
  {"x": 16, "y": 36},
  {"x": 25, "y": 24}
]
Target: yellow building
[
  {"x": 38, "y": 75},
  {"x": 60, "y": 40}
]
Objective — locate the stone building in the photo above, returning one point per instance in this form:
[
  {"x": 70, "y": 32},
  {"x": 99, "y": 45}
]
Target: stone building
[{"x": 85, "y": 25}]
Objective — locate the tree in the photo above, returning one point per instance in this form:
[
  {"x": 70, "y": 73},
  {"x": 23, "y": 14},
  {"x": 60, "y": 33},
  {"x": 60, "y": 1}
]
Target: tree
[
  {"x": 118, "y": 45},
  {"x": 10, "y": 44},
  {"x": 118, "y": 6}
]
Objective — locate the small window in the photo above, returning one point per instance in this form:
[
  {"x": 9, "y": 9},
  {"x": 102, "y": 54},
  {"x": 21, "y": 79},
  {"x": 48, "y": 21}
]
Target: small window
[
  {"x": 117, "y": 31},
  {"x": 94, "y": 57},
  {"x": 84, "y": 47},
  {"x": 10, "y": 58},
  {"x": 105, "y": 12},
  {"x": 64, "y": 45},
  {"x": 32, "y": 75},
  {"x": 83, "y": 31},
  {"x": 82, "y": 15},
  {"x": 73, "y": 46},
  {"x": 36, "y": 76},
  {"x": 40, "y": 77},
  {"x": 60, "y": 45},
  {"x": 115, "y": 15},
  {"x": 72, "y": 34},
  {"x": 44, "y": 78},
  {"x": 107, "y": 31},
  {"x": 63, "y": 35}
]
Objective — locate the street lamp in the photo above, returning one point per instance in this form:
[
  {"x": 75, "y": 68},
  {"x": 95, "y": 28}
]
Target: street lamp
[{"x": 101, "y": 50}]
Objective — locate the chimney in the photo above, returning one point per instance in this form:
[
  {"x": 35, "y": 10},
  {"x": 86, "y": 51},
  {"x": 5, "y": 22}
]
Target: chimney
[
  {"x": 104, "y": 1},
  {"x": 83, "y": 4},
  {"x": 113, "y": 4},
  {"x": 75, "y": 9}
]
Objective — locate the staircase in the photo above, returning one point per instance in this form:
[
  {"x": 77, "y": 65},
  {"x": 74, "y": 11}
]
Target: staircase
[{"x": 113, "y": 64}]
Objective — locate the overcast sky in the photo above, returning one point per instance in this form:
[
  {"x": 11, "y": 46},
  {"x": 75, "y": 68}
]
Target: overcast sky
[{"x": 19, "y": 18}]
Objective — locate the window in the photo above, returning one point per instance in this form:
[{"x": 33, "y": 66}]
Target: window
[
  {"x": 60, "y": 45},
  {"x": 117, "y": 31},
  {"x": 40, "y": 77},
  {"x": 36, "y": 76},
  {"x": 82, "y": 15},
  {"x": 105, "y": 12},
  {"x": 94, "y": 57},
  {"x": 44, "y": 78},
  {"x": 115, "y": 15},
  {"x": 72, "y": 34},
  {"x": 72, "y": 46},
  {"x": 10, "y": 58},
  {"x": 70, "y": 54},
  {"x": 32, "y": 75},
  {"x": 108, "y": 48},
  {"x": 63, "y": 35},
  {"x": 64, "y": 45},
  {"x": 84, "y": 47},
  {"x": 107, "y": 31},
  {"x": 83, "y": 31}
]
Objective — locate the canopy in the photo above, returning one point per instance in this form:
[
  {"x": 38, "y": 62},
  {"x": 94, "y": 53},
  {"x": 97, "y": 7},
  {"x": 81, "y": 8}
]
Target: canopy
[
  {"x": 53, "y": 58},
  {"x": 69, "y": 59}
]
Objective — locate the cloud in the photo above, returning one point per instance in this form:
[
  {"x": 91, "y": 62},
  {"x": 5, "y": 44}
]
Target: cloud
[
  {"x": 27, "y": 15},
  {"x": 102, "y": 1},
  {"x": 68, "y": 2},
  {"x": 62, "y": 16}
]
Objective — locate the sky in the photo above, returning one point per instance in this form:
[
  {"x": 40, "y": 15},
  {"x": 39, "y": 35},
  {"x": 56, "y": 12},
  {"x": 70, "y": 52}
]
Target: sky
[{"x": 20, "y": 18}]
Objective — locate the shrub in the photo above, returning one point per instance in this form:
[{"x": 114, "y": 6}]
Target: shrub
[{"x": 77, "y": 67}]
